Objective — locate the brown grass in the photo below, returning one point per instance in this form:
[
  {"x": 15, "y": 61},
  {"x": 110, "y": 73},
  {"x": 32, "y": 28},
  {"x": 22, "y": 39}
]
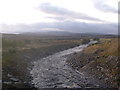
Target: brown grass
[{"x": 109, "y": 47}]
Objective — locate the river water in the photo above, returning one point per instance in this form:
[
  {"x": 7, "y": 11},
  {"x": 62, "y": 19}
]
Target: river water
[{"x": 53, "y": 71}]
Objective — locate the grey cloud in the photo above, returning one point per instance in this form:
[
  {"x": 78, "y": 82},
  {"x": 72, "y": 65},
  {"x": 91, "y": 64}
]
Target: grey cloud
[
  {"x": 64, "y": 13},
  {"x": 105, "y": 8},
  {"x": 15, "y": 28},
  {"x": 70, "y": 26},
  {"x": 87, "y": 27},
  {"x": 58, "y": 18}
]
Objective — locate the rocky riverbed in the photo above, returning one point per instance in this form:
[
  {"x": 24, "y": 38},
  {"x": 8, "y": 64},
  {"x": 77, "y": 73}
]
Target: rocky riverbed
[{"x": 54, "y": 72}]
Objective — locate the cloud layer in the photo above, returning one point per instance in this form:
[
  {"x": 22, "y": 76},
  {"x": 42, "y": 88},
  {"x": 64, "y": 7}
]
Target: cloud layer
[
  {"x": 105, "y": 7},
  {"x": 62, "y": 13},
  {"x": 69, "y": 26},
  {"x": 49, "y": 16}
]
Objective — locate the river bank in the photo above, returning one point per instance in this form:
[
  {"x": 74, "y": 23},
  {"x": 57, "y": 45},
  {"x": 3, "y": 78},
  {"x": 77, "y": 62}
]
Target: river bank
[{"x": 100, "y": 61}]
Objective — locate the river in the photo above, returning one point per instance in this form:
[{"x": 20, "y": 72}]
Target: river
[{"x": 53, "y": 71}]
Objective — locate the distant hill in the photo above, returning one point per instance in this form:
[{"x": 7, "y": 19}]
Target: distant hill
[
  {"x": 64, "y": 33},
  {"x": 53, "y": 33}
]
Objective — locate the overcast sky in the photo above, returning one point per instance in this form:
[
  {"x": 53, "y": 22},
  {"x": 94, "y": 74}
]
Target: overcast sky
[{"x": 94, "y": 16}]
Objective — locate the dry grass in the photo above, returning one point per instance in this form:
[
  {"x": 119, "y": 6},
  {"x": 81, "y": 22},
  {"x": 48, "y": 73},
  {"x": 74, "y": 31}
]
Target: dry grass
[
  {"x": 106, "y": 53},
  {"x": 108, "y": 47}
]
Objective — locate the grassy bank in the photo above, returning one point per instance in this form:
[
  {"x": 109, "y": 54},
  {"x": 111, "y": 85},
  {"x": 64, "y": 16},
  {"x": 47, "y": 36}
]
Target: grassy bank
[{"x": 99, "y": 61}]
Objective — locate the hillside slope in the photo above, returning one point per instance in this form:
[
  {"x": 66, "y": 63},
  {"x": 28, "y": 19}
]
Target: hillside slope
[{"x": 99, "y": 61}]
